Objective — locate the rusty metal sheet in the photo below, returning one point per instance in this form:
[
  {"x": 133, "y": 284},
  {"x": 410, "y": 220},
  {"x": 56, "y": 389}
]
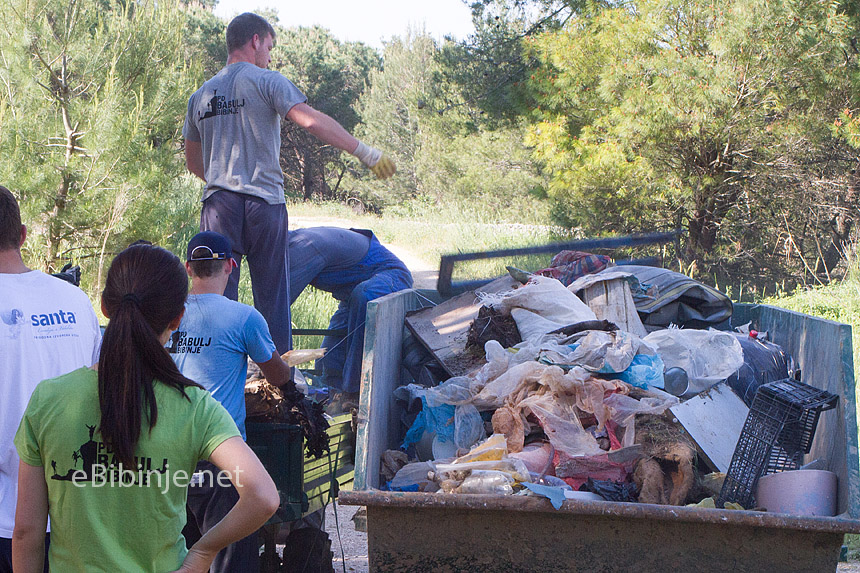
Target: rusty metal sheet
[
  {"x": 441, "y": 532},
  {"x": 628, "y": 511}
]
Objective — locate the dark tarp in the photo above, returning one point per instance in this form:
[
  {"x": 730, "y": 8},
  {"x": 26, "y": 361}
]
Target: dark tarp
[{"x": 676, "y": 299}]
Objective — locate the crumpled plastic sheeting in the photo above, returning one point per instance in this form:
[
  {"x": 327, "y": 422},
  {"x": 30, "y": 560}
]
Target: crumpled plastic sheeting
[
  {"x": 708, "y": 356},
  {"x": 587, "y": 391},
  {"x": 606, "y": 352},
  {"x": 509, "y": 421},
  {"x": 454, "y": 391},
  {"x": 494, "y": 394},
  {"x": 562, "y": 426},
  {"x": 624, "y": 410}
]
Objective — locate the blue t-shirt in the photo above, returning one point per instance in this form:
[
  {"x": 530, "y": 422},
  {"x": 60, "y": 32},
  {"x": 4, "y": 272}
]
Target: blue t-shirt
[{"x": 212, "y": 346}]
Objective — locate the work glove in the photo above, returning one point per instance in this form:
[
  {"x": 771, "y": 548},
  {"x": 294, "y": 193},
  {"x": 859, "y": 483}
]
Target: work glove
[{"x": 380, "y": 164}]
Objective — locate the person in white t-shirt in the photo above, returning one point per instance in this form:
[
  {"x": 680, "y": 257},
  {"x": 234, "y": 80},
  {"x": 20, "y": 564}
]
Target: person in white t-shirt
[{"x": 47, "y": 328}]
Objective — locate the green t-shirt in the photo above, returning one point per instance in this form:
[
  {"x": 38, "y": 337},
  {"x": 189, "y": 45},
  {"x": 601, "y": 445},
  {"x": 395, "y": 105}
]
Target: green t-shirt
[{"x": 101, "y": 519}]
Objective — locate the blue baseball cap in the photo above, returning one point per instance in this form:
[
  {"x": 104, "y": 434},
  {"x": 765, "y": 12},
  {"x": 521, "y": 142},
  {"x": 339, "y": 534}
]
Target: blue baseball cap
[{"x": 210, "y": 246}]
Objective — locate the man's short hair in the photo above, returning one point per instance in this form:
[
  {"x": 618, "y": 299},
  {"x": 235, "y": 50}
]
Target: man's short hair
[
  {"x": 243, "y": 27},
  {"x": 207, "y": 268},
  {"x": 10, "y": 221}
]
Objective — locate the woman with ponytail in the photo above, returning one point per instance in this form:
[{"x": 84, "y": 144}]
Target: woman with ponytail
[{"x": 109, "y": 454}]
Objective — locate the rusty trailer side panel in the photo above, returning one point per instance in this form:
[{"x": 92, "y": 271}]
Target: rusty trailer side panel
[{"x": 437, "y": 532}]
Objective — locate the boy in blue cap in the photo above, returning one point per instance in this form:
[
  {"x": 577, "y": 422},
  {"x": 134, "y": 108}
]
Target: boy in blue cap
[{"x": 212, "y": 346}]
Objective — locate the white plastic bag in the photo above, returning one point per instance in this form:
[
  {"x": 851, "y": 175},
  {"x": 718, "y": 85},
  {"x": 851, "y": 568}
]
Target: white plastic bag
[
  {"x": 549, "y": 305},
  {"x": 708, "y": 356}
]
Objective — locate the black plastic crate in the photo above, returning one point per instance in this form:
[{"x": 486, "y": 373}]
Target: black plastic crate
[
  {"x": 280, "y": 449},
  {"x": 778, "y": 432}
]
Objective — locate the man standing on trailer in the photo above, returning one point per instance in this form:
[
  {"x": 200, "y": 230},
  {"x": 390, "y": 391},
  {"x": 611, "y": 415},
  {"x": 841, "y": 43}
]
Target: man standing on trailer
[{"x": 233, "y": 140}]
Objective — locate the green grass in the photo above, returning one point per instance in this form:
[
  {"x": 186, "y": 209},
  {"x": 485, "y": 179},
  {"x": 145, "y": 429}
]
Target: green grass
[
  {"x": 839, "y": 301},
  {"x": 449, "y": 230}
]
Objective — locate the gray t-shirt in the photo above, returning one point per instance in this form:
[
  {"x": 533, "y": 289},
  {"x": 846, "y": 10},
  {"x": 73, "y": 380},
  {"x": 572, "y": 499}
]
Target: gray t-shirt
[{"x": 236, "y": 116}]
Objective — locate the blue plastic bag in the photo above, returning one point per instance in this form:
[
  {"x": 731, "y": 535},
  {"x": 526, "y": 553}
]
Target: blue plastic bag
[{"x": 645, "y": 370}]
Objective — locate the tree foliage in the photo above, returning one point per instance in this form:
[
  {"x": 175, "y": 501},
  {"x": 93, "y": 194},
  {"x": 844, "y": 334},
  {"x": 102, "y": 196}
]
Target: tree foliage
[
  {"x": 93, "y": 97},
  {"x": 445, "y": 154},
  {"x": 668, "y": 113}
]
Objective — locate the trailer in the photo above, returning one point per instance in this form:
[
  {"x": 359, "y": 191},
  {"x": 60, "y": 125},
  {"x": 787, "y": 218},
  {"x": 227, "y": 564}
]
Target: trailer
[{"x": 443, "y": 532}]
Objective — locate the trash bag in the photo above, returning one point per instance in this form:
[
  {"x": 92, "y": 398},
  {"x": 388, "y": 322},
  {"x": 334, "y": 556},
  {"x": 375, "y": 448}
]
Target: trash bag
[
  {"x": 680, "y": 300},
  {"x": 764, "y": 362},
  {"x": 468, "y": 426},
  {"x": 437, "y": 420},
  {"x": 645, "y": 371},
  {"x": 547, "y": 303},
  {"x": 611, "y": 490},
  {"x": 707, "y": 356},
  {"x": 412, "y": 477}
]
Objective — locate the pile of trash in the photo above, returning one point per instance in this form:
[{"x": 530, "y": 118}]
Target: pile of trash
[
  {"x": 593, "y": 391},
  {"x": 267, "y": 403}
]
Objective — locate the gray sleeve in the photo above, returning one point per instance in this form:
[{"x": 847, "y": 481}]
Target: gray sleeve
[
  {"x": 189, "y": 130},
  {"x": 281, "y": 92}
]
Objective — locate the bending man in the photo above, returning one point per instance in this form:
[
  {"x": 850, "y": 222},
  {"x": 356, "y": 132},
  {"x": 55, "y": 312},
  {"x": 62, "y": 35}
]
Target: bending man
[{"x": 355, "y": 268}]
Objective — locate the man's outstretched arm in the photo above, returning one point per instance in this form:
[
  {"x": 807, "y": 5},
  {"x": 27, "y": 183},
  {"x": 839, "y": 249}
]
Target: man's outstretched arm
[{"x": 329, "y": 131}]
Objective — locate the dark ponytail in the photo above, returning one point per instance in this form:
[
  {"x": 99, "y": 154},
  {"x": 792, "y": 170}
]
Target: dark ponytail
[{"x": 145, "y": 290}]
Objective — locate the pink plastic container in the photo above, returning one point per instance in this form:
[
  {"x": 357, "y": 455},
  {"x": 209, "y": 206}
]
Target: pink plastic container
[{"x": 798, "y": 492}]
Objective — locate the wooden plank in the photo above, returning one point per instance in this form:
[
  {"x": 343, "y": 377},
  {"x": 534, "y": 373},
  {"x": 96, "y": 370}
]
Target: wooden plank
[
  {"x": 443, "y": 329},
  {"x": 714, "y": 419},
  {"x": 324, "y": 467}
]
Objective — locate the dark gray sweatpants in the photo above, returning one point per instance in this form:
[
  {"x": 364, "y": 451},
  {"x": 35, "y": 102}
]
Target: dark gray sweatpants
[{"x": 257, "y": 231}]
